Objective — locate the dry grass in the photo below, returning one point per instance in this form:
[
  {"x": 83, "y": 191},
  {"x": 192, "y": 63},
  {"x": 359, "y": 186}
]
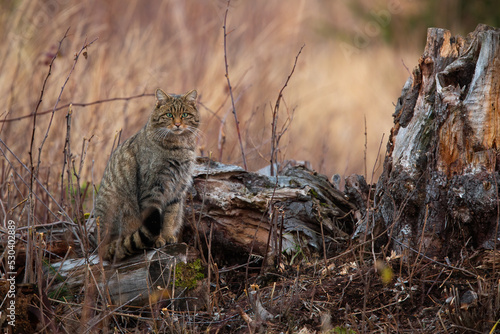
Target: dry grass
[
  {"x": 178, "y": 46},
  {"x": 339, "y": 81}
]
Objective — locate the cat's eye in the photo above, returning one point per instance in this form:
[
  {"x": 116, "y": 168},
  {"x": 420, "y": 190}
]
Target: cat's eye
[
  {"x": 169, "y": 115},
  {"x": 184, "y": 115}
]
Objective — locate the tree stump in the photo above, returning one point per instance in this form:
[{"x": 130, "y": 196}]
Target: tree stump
[{"x": 439, "y": 189}]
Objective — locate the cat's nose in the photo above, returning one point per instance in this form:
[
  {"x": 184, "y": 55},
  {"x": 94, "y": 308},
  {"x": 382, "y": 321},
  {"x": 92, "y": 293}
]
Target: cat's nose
[{"x": 177, "y": 124}]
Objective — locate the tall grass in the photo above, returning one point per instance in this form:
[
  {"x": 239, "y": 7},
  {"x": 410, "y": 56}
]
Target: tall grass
[
  {"x": 178, "y": 45},
  {"x": 77, "y": 77}
]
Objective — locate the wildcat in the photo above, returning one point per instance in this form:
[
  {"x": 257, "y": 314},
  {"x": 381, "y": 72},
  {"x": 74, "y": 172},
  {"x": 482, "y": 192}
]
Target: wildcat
[{"x": 141, "y": 198}]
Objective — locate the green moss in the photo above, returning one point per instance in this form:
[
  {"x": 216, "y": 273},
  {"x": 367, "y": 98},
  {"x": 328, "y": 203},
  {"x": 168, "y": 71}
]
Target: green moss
[
  {"x": 187, "y": 275},
  {"x": 342, "y": 330},
  {"x": 314, "y": 193},
  {"x": 62, "y": 293}
]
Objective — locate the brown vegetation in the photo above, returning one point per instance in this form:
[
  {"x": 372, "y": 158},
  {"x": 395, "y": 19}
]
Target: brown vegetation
[
  {"x": 179, "y": 46},
  {"x": 70, "y": 95}
]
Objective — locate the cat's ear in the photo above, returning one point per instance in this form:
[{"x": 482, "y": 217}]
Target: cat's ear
[
  {"x": 161, "y": 97},
  {"x": 191, "y": 95}
]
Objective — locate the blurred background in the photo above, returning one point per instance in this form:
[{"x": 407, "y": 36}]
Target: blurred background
[{"x": 337, "y": 106}]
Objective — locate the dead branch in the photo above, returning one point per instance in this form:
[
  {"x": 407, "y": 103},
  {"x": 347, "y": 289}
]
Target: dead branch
[
  {"x": 237, "y": 123},
  {"x": 275, "y": 138},
  {"x": 77, "y": 104}
]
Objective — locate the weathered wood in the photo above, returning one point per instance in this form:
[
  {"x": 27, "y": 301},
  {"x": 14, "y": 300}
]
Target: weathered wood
[
  {"x": 241, "y": 209},
  {"x": 439, "y": 189},
  {"x": 137, "y": 281}
]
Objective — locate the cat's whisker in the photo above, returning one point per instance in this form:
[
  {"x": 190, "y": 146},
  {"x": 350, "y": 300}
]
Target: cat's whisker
[
  {"x": 165, "y": 133},
  {"x": 188, "y": 128},
  {"x": 161, "y": 133},
  {"x": 156, "y": 135},
  {"x": 158, "y": 132},
  {"x": 196, "y": 132},
  {"x": 196, "y": 135}
]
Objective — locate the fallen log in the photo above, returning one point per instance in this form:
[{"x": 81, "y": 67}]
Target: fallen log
[
  {"x": 250, "y": 213},
  {"x": 137, "y": 281}
]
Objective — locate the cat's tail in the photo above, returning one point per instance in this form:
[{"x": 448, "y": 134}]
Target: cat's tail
[{"x": 144, "y": 237}]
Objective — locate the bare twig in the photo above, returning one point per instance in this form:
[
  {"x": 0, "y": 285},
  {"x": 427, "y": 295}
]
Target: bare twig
[
  {"x": 250, "y": 323},
  {"x": 79, "y": 104},
  {"x": 465, "y": 271},
  {"x": 84, "y": 47},
  {"x": 66, "y": 150},
  {"x": 210, "y": 260},
  {"x": 366, "y": 148},
  {"x": 274, "y": 124},
  {"x": 283, "y": 130},
  {"x": 77, "y": 196},
  {"x": 41, "y": 98},
  {"x": 29, "y": 274},
  {"x": 407, "y": 69},
  {"x": 368, "y": 206},
  {"x": 35, "y": 179},
  {"x": 12, "y": 86},
  {"x": 25, "y": 183},
  {"x": 222, "y": 136},
  {"x": 272, "y": 223},
  {"x": 231, "y": 90}
]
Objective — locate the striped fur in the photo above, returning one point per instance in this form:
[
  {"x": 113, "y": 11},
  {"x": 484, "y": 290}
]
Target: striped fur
[{"x": 141, "y": 196}]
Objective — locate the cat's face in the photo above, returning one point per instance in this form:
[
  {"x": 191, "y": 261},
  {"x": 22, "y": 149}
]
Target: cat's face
[{"x": 175, "y": 115}]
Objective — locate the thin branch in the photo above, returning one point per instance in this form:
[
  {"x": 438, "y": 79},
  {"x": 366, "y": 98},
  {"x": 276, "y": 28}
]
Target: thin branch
[
  {"x": 29, "y": 275},
  {"x": 77, "y": 56},
  {"x": 274, "y": 124},
  {"x": 366, "y": 148},
  {"x": 465, "y": 271},
  {"x": 284, "y": 129},
  {"x": 61, "y": 209},
  {"x": 66, "y": 150},
  {"x": 222, "y": 136},
  {"x": 231, "y": 90},
  {"x": 41, "y": 98},
  {"x": 82, "y": 104}
]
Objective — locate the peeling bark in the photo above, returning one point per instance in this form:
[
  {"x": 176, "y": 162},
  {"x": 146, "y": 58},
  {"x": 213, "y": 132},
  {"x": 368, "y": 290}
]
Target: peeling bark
[
  {"x": 439, "y": 188},
  {"x": 244, "y": 210}
]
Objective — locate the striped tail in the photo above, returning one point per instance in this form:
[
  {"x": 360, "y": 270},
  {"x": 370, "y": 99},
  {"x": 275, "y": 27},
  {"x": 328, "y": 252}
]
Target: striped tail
[{"x": 144, "y": 237}]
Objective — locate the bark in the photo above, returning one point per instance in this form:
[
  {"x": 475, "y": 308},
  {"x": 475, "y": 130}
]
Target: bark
[
  {"x": 138, "y": 281},
  {"x": 247, "y": 213},
  {"x": 439, "y": 189}
]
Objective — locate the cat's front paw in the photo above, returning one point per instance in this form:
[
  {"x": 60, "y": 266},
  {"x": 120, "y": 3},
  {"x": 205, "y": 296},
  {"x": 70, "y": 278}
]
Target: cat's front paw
[
  {"x": 109, "y": 252},
  {"x": 160, "y": 242},
  {"x": 171, "y": 239},
  {"x": 113, "y": 252}
]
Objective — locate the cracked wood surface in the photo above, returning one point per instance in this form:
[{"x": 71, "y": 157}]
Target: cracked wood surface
[{"x": 439, "y": 189}]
